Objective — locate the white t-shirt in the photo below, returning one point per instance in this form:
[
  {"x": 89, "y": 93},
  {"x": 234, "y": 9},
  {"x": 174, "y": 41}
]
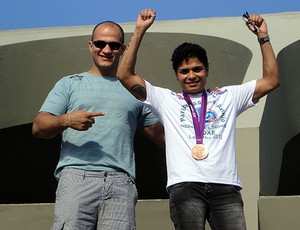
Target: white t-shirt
[{"x": 223, "y": 107}]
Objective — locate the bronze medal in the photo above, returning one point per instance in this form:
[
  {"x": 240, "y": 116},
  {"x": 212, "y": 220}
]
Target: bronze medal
[{"x": 199, "y": 152}]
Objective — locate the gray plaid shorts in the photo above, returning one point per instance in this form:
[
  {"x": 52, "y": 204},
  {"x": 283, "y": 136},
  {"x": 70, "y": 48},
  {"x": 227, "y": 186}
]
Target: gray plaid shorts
[{"x": 88, "y": 200}]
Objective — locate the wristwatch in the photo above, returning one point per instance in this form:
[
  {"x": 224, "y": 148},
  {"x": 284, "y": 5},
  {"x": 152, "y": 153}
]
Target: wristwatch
[{"x": 264, "y": 39}]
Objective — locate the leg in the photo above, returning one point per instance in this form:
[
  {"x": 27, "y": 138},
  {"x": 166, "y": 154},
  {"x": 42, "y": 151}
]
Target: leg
[
  {"x": 76, "y": 201},
  {"x": 188, "y": 206},
  {"x": 226, "y": 208},
  {"x": 118, "y": 208}
]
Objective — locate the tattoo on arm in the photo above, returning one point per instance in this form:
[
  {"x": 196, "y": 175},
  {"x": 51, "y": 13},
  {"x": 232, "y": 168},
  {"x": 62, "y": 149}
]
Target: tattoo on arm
[{"x": 139, "y": 91}]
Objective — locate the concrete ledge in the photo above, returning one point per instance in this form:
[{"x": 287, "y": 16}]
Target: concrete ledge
[
  {"x": 279, "y": 212},
  {"x": 153, "y": 214},
  {"x": 150, "y": 214},
  {"x": 26, "y": 216},
  {"x": 275, "y": 213}
]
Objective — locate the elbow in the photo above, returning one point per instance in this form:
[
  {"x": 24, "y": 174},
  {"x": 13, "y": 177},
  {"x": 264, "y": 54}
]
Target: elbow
[
  {"x": 277, "y": 82},
  {"x": 124, "y": 72},
  {"x": 38, "y": 132},
  {"x": 122, "y": 75},
  {"x": 274, "y": 82},
  {"x": 121, "y": 71},
  {"x": 35, "y": 130},
  {"x": 273, "y": 85}
]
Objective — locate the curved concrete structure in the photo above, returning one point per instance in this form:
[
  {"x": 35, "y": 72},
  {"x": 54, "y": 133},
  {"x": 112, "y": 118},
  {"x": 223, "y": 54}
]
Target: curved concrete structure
[{"x": 32, "y": 60}]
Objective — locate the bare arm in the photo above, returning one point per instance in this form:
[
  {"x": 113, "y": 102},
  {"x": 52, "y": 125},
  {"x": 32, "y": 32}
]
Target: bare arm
[
  {"x": 47, "y": 125},
  {"x": 155, "y": 133},
  {"x": 126, "y": 74},
  {"x": 270, "y": 78}
]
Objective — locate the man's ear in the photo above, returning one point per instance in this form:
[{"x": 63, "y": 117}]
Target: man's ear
[{"x": 91, "y": 46}]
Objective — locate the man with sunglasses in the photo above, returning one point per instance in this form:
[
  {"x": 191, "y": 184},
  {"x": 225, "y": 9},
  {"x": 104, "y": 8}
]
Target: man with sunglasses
[
  {"x": 203, "y": 181},
  {"x": 98, "y": 118}
]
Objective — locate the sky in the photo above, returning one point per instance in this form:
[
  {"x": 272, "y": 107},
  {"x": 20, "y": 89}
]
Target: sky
[{"x": 24, "y": 14}]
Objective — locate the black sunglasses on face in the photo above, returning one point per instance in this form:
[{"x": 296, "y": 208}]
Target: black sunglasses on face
[{"x": 112, "y": 45}]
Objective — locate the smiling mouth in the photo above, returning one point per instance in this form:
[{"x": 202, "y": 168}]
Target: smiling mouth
[
  {"x": 105, "y": 57},
  {"x": 192, "y": 83}
]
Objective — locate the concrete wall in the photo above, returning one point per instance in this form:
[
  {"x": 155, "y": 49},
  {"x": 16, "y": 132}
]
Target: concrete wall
[
  {"x": 150, "y": 215},
  {"x": 31, "y": 61},
  {"x": 281, "y": 212},
  {"x": 280, "y": 157}
]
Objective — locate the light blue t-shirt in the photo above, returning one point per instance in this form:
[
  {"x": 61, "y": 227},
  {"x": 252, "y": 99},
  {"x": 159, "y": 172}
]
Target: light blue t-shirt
[{"x": 108, "y": 144}]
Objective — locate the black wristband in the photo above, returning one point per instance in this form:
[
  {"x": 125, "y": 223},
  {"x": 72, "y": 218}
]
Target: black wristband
[{"x": 264, "y": 39}]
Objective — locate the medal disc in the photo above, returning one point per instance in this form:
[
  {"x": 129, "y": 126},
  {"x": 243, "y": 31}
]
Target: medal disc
[{"x": 199, "y": 152}]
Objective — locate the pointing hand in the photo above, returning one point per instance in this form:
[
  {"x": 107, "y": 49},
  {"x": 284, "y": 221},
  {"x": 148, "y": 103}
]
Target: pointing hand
[{"x": 82, "y": 120}]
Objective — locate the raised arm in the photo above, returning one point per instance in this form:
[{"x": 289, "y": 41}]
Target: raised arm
[
  {"x": 270, "y": 77},
  {"x": 126, "y": 74}
]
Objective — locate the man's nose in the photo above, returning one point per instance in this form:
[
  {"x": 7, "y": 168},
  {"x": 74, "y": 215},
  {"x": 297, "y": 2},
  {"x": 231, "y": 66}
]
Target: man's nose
[
  {"x": 106, "y": 49},
  {"x": 191, "y": 74}
]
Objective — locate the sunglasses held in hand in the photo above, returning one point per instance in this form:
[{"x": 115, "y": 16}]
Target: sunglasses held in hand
[
  {"x": 112, "y": 45},
  {"x": 252, "y": 26}
]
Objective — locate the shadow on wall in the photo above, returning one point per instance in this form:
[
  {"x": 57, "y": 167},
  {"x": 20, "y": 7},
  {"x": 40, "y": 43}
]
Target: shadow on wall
[
  {"x": 279, "y": 130},
  {"x": 290, "y": 170},
  {"x": 27, "y": 167}
]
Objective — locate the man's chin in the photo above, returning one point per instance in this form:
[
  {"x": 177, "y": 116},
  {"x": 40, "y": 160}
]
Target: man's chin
[
  {"x": 193, "y": 90},
  {"x": 106, "y": 66}
]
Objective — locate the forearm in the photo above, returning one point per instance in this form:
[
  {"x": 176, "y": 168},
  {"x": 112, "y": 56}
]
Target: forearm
[
  {"x": 126, "y": 70},
  {"x": 127, "y": 66},
  {"x": 270, "y": 66},
  {"x": 46, "y": 125},
  {"x": 270, "y": 76}
]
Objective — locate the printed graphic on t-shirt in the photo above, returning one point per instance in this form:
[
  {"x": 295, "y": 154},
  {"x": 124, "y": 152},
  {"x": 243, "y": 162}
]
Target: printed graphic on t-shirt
[{"x": 215, "y": 119}]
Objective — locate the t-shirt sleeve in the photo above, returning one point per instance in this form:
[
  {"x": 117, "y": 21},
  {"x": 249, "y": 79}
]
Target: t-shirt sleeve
[
  {"x": 58, "y": 98},
  {"x": 147, "y": 118},
  {"x": 243, "y": 95}
]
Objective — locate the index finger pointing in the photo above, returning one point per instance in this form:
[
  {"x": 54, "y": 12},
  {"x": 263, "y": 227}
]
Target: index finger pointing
[{"x": 95, "y": 114}]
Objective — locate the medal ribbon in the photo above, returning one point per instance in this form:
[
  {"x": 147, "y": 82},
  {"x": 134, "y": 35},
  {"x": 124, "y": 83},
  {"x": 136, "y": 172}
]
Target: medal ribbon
[{"x": 199, "y": 122}]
